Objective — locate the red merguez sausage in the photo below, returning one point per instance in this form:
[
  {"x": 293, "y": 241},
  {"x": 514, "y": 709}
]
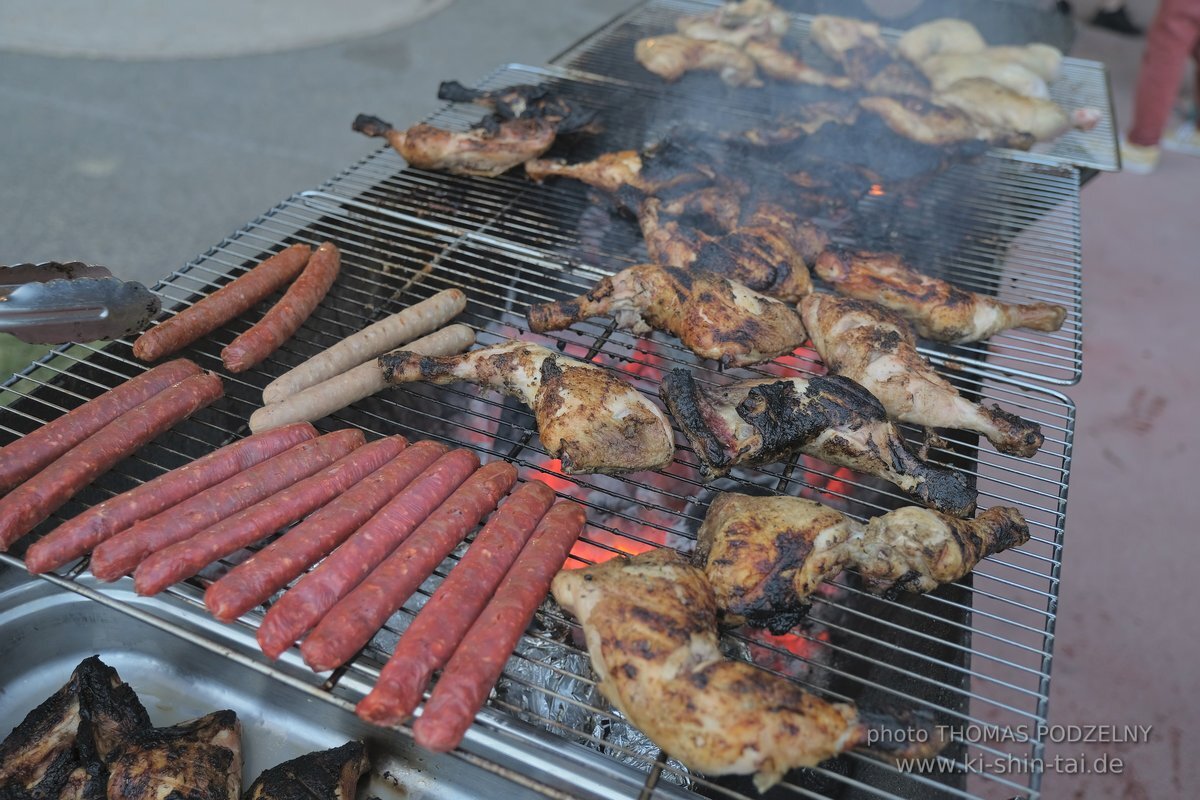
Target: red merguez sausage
[
  {"x": 350, "y": 624},
  {"x": 479, "y": 660},
  {"x": 123, "y": 552},
  {"x": 285, "y": 317},
  {"x": 31, "y": 502},
  {"x": 184, "y": 559},
  {"x": 445, "y": 619},
  {"x": 23, "y": 458},
  {"x": 270, "y": 569},
  {"x": 231, "y": 300},
  {"x": 302, "y": 606},
  {"x": 101, "y": 522}
]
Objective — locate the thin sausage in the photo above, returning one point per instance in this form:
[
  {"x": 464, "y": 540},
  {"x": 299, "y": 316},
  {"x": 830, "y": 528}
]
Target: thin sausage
[
  {"x": 77, "y": 536},
  {"x": 270, "y": 569},
  {"x": 230, "y": 301},
  {"x": 37, "y": 449},
  {"x": 372, "y": 341},
  {"x": 479, "y": 660},
  {"x": 353, "y": 385},
  {"x": 284, "y": 318},
  {"x": 444, "y": 620},
  {"x": 350, "y": 624},
  {"x": 184, "y": 559},
  {"x": 123, "y": 552},
  {"x": 37, "y": 498},
  {"x": 303, "y": 606}
]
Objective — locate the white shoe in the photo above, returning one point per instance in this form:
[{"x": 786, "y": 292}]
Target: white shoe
[
  {"x": 1139, "y": 159},
  {"x": 1185, "y": 139}
]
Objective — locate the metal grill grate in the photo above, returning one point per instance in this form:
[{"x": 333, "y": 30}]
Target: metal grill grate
[
  {"x": 977, "y": 652},
  {"x": 1007, "y": 225},
  {"x": 1082, "y": 84}
]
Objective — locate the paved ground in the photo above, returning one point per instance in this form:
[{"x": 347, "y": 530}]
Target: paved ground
[{"x": 142, "y": 166}]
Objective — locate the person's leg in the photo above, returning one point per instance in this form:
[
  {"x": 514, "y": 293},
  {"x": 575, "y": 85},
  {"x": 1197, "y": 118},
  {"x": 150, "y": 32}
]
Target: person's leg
[
  {"x": 1169, "y": 43},
  {"x": 1186, "y": 138}
]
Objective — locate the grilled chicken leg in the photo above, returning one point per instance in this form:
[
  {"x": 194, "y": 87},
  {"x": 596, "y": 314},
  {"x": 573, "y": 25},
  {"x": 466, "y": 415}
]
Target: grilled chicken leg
[
  {"x": 937, "y": 310},
  {"x": 831, "y": 418},
  {"x": 479, "y": 151},
  {"x": 200, "y": 760},
  {"x": 764, "y": 556},
  {"x": 326, "y": 775},
  {"x": 651, "y": 628},
  {"x": 714, "y": 317},
  {"x": 874, "y": 347},
  {"x": 588, "y": 417},
  {"x": 671, "y": 55}
]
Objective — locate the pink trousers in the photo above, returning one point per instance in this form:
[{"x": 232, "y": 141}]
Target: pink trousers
[{"x": 1173, "y": 36}]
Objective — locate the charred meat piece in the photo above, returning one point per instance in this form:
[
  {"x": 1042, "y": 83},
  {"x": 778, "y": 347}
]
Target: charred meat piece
[
  {"x": 737, "y": 23},
  {"x": 834, "y": 419},
  {"x": 326, "y": 775},
  {"x": 43, "y": 746},
  {"x": 586, "y": 416},
  {"x": 938, "y": 310},
  {"x": 765, "y": 556},
  {"x": 859, "y": 47},
  {"x": 876, "y": 348},
  {"x": 609, "y": 171},
  {"x": 198, "y": 760},
  {"x": 668, "y": 242},
  {"x": 525, "y": 101},
  {"x": 671, "y": 55},
  {"x": 769, "y": 254},
  {"x": 650, "y": 623},
  {"x": 928, "y": 123},
  {"x": 801, "y": 122},
  {"x": 713, "y": 317},
  {"x": 474, "y": 152},
  {"x": 716, "y": 206},
  {"x": 777, "y": 63}
]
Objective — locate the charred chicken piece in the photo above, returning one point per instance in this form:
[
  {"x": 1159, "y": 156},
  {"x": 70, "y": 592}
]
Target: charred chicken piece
[
  {"x": 326, "y": 775},
  {"x": 609, "y": 171},
  {"x": 200, "y": 760},
  {"x": 777, "y": 63},
  {"x": 718, "y": 206},
  {"x": 525, "y": 101},
  {"x": 801, "y": 122},
  {"x": 859, "y": 47},
  {"x": 713, "y": 317},
  {"x": 41, "y": 751},
  {"x": 770, "y": 254},
  {"x": 873, "y": 346},
  {"x": 586, "y": 416},
  {"x": 650, "y": 623},
  {"x": 667, "y": 241},
  {"x": 671, "y": 55},
  {"x": 765, "y": 556},
  {"x": 938, "y": 310},
  {"x": 832, "y": 418},
  {"x": 479, "y": 151}
]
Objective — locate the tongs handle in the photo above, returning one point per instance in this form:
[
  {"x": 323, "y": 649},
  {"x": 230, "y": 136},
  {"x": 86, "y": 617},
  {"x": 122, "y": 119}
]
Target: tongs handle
[{"x": 56, "y": 303}]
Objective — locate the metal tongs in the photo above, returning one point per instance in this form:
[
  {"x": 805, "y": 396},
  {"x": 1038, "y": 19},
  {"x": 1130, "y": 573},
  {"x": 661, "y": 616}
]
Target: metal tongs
[{"x": 56, "y": 303}]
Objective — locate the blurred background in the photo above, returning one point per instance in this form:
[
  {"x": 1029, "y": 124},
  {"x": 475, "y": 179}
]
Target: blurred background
[{"x": 137, "y": 134}]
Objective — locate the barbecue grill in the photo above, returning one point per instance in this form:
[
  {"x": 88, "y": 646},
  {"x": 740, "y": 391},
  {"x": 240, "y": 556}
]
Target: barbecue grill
[{"x": 976, "y": 653}]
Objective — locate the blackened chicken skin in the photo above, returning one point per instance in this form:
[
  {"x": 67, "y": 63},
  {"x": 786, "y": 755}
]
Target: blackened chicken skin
[
  {"x": 586, "y": 416},
  {"x": 832, "y": 418},
  {"x": 525, "y": 101},
  {"x": 479, "y": 151},
  {"x": 200, "y": 760},
  {"x": 876, "y": 348},
  {"x": 937, "y": 309},
  {"x": 713, "y": 317},
  {"x": 765, "y": 556},
  {"x": 671, "y": 55},
  {"x": 650, "y": 623},
  {"x": 325, "y": 775},
  {"x": 769, "y": 254},
  {"x": 859, "y": 47}
]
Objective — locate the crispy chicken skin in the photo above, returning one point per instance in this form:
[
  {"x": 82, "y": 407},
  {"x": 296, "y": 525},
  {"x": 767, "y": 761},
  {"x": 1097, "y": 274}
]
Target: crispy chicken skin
[
  {"x": 525, "y": 101},
  {"x": 765, "y": 556},
  {"x": 478, "y": 151},
  {"x": 832, "y": 418},
  {"x": 876, "y": 348},
  {"x": 714, "y": 317},
  {"x": 667, "y": 241},
  {"x": 769, "y": 254},
  {"x": 42, "y": 747},
  {"x": 671, "y": 55},
  {"x": 587, "y": 416},
  {"x": 938, "y": 310},
  {"x": 609, "y": 171},
  {"x": 651, "y": 628},
  {"x": 325, "y": 775},
  {"x": 200, "y": 760}
]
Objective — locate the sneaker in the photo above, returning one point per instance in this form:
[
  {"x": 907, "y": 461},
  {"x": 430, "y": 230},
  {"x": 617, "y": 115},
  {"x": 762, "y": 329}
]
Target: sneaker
[
  {"x": 1118, "y": 22},
  {"x": 1138, "y": 159},
  {"x": 1185, "y": 139}
]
